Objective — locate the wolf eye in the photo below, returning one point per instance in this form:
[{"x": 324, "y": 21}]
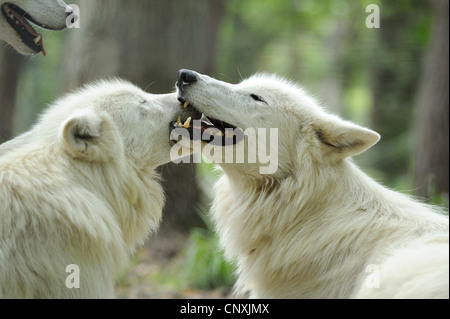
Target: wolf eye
[{"x": 257, "y": 98}]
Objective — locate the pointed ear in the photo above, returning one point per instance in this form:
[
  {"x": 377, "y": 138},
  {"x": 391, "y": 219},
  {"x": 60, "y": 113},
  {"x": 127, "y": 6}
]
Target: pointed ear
[
  {"x": 344, "y": 138},
  {"x": 88, "y": 136}
]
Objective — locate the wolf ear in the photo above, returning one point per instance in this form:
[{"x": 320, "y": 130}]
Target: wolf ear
[
  {"x": 344, "y": 138},
  {"x": 87, "y": 136}
]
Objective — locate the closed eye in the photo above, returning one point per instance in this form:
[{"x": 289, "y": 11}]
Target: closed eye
[{"x": 257, "y": 98}]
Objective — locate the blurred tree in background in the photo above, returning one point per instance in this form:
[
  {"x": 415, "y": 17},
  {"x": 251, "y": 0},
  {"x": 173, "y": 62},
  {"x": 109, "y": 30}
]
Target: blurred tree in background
[
  {"x": 9, "y": 76},
  {"x": 431, "y": 158},
  {"x": 393, "y": 79}
]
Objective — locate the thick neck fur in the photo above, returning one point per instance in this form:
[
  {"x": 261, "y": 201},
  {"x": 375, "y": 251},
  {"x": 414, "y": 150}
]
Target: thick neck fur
[
  {"x": 133, "y": 194},
  {"x": 315, "y": 250}
]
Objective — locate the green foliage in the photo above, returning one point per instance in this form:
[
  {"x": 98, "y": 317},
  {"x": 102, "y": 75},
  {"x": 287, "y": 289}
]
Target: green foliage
[
  {"x": 208, "y": 171},
  {"x": 205, "y": 267}
]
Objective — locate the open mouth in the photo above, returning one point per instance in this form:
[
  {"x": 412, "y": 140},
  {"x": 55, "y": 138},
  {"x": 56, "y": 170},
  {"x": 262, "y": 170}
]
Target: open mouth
[
  {"x": 18, "y": 20},
  {"x": 208, "y": 129}
]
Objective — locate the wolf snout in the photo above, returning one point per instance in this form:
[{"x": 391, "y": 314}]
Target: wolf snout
[{"x": 186, "y": 77}]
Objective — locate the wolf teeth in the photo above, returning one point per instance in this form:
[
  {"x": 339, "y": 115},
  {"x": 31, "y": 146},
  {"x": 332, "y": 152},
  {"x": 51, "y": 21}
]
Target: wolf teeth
[
  {"x": 37, "y": 39},
  {"x": 187, "y": 124},
  {"x": 186, "y": 104},
  {"x": 9, "y": 12}
]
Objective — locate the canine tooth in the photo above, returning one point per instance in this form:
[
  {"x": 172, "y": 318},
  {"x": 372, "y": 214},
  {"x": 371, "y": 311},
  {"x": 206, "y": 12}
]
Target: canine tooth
[
  {"x": 186, "y": 104},
  {"x": 187, "y": 124},
  {"x": 37, "y": 39},
  {"x": 179, "y": 120}
]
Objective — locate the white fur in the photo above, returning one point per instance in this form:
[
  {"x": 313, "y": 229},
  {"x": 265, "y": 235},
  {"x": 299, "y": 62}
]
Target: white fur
[
  {"x": 318, "y": 227},
  {"x": 51, "y": 13},
  {"x": 80, "y": 188}
]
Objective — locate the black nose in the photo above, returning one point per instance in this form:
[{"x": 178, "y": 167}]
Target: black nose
[
  {"x": 71, "y": 12},
  {"x": 186, "y": 77}
]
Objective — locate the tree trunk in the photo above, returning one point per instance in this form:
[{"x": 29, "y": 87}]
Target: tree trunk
[
  {"x": 431, "y": 165},
  {"x": 147, "y": 42},
  {"x": 10, "y": 66},
  {"x": 394, "y": 88}
]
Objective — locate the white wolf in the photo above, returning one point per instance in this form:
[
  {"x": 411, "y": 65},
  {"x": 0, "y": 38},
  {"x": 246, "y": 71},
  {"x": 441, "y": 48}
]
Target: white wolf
[
  {"x": 15, "y": 18},
  {"x": 318, "y": 227},
  {"x": 80, "y": 188}
]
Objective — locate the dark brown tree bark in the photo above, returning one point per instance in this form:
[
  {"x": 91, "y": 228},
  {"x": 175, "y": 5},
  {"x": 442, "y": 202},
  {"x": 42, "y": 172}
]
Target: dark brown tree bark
[
  {"x": 147, "y": 42},
  {"x": 431, "y": 162},
  {"x": 10, "y": 66}
]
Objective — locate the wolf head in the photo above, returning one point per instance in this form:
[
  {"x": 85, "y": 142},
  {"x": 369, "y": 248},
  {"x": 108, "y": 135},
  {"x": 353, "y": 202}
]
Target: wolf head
[
  {"x": 305, "y": 132},
  {"x": 15, "y": 18},
  {"x": 108, "y": 120}
]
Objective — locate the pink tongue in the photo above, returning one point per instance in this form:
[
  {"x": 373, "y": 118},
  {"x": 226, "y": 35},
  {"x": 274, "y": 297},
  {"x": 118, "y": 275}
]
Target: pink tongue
[{"x": 30, "y": 30}]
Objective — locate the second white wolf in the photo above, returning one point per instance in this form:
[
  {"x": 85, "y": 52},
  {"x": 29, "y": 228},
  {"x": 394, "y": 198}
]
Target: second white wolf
[{"x": 318, "y": 227}]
